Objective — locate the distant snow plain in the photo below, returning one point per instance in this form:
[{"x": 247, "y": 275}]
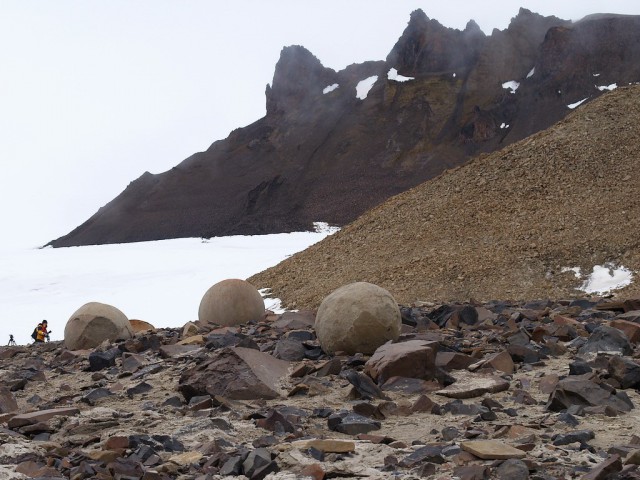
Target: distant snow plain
[{"x": 159, "y": 282}]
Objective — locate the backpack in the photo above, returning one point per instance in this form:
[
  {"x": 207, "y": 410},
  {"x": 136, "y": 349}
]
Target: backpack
[{"x": 34, "y": 334}]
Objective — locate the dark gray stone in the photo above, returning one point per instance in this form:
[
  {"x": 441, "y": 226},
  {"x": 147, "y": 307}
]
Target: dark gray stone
[
  {"x": 512, "y": 469},
  {"x": 449, "y": 433},
  {"x": 143, "y": 387},
  {"x": 290, "y": 349},
  {"x": 101, "y": 360},
  {"x": 607, "y": 339},
  {"x": 233, "y": 466},
  {"x": 579, "y": 367},
  {"x": 585, "y": 393},
  {"x": 352, "y": 423},
  {"x": 578, "y": 436},
  {"x": 96, "y": 394},
  {"x": 625, "y": 371},
  {"x": 421, "y": 455}
]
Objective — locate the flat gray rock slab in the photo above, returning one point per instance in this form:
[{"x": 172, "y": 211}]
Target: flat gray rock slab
[{"x": 470, "y": 385}]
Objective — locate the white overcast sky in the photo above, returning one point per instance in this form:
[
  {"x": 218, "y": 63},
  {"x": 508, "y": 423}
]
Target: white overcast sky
[{"x": 94, "y": 93}]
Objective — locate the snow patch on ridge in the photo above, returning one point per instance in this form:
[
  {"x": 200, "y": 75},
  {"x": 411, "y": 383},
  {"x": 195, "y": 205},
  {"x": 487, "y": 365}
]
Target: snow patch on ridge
[
  {"x": 392, "y": 74},
  {"x": 363, "y": 87},
  {"x": 530, "y": 74},
  {"x": 511, "y": 85},
  {"x": 602, "y": 88},
  {"x": 577, "y": 104},
  {"x": 330, "y": 88}
]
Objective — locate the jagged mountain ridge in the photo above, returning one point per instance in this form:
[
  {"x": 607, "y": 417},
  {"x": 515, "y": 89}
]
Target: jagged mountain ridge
[{"x": 330, "y": 156}]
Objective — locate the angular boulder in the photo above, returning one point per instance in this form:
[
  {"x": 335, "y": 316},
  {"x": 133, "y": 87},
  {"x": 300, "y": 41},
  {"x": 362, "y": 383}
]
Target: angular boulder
[
  {"x": 8, "y": 402},
  {"x": 607, "y": 339},
  {"x": 357, "y": 318},
  {"x": 93, "y": 323},
  {"x": 235, "y": 373},
  {"x": 630, "y": 329},
  {"x": 585, "y": 393},
  {"x": 231, "y": 302},
  {"x": 625, "y": 371},
  {"x": 411, "y": 359}
]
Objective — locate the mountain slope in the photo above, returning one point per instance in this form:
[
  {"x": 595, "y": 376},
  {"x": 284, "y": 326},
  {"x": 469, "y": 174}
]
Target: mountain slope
[
  {"x": 327, "y": 155},
  {"x": 505, "y": 225}
]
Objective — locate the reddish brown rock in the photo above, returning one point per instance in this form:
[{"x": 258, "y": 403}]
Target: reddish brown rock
[
  {"x": 412, "y": 359},
  {"x": 501, "y": 361},
  {"x": 7, "y": 401},
  {"x": 313, "y": 471},
  {"x": 610, "y": 466},
  {"x": 548, "y": 383},
  {"x": 40, "y": 416},
  {"x": 454, "y": 360},
  {"x": 140, "y": 326},
  {"x": 630, "y": 329},
  {"x": 237, "y": 374}
]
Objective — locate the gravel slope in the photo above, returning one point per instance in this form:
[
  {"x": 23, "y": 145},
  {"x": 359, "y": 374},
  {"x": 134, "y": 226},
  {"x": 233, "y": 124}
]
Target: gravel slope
[{"x": 502, "y": 226}]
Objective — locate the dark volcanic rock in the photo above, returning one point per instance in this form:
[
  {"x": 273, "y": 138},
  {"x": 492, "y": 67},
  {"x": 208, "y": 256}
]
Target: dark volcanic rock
[
  {"x": 625, "y": 371},
  {"x": 314, "y": 152},
  {"x": 101, "y": 360},
  {"x": 352, "y": 423},
  {"x": 607, "y": 339},
  {"x": 235, "y": 373},
  {"x": 586, "y": 393},
  {"x": 411, "y": 359}
]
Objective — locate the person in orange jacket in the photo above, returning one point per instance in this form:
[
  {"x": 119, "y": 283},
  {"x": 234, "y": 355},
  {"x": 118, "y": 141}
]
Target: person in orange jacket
[{"x": 41, "y": 332}]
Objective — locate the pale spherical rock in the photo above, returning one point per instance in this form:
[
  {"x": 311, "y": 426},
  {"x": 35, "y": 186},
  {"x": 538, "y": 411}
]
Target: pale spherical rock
[
  {"x": 231, "y": 302},
  {"x": 93, "y": 323},
  {"x": 358, "y": 317}
]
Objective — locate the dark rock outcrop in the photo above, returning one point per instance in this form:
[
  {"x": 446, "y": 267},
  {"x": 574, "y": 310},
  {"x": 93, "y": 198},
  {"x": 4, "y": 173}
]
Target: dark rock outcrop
[{"x": 315, "y": 152}]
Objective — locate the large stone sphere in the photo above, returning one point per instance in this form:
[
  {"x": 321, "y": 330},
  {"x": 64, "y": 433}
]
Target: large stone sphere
[
  {"x": 358, "y": 317},
  {"x": 93, "y": 323},
  {"x": 231, "y": 302}
]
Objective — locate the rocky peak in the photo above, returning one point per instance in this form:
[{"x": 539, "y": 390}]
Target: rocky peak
[
  {"x": 427, "y": 47},
  {"x": 531, "y": 27},
  {"x": 298, "y": 76},
  {"x": 473, "y": 28}
]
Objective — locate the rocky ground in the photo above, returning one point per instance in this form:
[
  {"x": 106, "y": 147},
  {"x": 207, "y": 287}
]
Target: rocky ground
[
  {"x": 505, "y": 225},
  {"x": 540, "y": 390}
]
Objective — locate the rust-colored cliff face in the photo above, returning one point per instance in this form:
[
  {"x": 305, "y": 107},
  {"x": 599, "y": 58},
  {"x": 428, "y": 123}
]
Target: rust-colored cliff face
[{"x": 321, "y": 155}]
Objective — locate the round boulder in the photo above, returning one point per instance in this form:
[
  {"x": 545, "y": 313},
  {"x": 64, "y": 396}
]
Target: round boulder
[
  {"x": 93, "y": 323},
  {"x": 358, "y": 317},
  {"x": 231, "y": 302}
]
